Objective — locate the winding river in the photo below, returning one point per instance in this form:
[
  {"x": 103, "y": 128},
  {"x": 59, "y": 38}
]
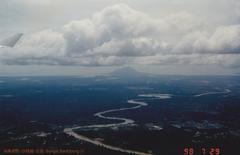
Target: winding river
[{"x": 125, "y": 121}]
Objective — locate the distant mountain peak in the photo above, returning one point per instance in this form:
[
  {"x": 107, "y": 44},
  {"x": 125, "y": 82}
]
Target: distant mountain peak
[{"x": 127, "y": 72}]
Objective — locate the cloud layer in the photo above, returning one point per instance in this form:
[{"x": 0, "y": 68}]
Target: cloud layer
[{"x": 120, "y": 35}]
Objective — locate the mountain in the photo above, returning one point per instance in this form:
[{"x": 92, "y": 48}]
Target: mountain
[{"x": 128, "y": 72}]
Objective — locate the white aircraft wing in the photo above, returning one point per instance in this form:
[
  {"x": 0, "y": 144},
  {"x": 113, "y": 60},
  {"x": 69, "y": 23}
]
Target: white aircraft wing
[{"x": 11, "y": 41}]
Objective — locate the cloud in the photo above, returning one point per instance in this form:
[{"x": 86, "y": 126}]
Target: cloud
[
  {"x": 44, "y": 44},
  {"x": 225, "y": 40},
  {"x": 120, "y": 35},
  {"x": 117, "y": 30},
  {"x": 225, "y": 60}
]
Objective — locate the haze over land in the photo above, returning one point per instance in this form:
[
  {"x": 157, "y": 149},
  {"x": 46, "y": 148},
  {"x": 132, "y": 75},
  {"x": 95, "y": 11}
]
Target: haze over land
[{"x": 125, "y": 111}]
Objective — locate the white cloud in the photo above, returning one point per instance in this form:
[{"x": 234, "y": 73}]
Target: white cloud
[
  {"x": 225, "y": 60},
  {"x": 119, "y": 34},
  {"x": 225, "y": 39}
]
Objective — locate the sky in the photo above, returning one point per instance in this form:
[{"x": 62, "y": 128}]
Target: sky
[{"x": 78, "y": 37}]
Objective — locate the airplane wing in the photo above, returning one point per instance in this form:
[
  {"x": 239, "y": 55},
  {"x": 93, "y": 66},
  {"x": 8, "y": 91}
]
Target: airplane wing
[{"x": 11, "y": 41}]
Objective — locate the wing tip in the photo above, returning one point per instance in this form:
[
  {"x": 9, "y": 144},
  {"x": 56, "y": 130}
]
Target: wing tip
[{"x": 11, "y": 41}]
